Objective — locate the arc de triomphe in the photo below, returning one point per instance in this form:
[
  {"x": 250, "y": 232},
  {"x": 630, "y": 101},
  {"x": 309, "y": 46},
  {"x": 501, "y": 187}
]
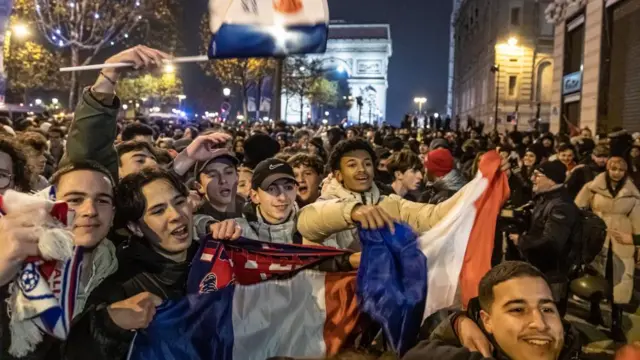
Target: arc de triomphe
[{"x": 362, "y": 51}]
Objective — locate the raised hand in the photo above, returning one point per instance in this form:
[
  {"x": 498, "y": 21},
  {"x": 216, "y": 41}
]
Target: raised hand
[
  {"x": 226, "y": 230},
  {"x": 372, "y": 217},
  {"x": 135, "y": 312},
  {"x": 204, "y": 147}
]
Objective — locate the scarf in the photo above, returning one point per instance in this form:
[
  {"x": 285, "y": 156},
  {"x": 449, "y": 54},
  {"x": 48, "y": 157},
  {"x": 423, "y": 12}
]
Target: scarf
[{"x": 42, "y": 297}]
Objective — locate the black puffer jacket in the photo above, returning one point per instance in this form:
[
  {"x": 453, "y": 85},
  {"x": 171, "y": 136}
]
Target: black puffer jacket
[
  {"x": 547, "y": 244},
  {"x": 443, "y": 343},
  {"x": 140, "y": 270}
]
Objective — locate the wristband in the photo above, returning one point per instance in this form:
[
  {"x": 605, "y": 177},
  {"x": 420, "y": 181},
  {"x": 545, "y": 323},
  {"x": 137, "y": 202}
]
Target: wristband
[{"x": 108, "y": 78}]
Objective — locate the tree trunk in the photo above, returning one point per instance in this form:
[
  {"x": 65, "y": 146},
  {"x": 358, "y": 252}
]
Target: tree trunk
[
  {"x": 258, "y": 98},
  {"x": 75, "y": 61},
  {"x": 286, "y": 109},
  {"x": 301, "y": 109}
]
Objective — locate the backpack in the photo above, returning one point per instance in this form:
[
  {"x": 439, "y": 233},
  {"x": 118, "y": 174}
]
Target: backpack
[{"x": 589, "y": 237}]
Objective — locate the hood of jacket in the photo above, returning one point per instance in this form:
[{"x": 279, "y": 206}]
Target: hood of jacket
[
  {"x": 335, "y": 190},
  {"x": 453, "y": 181},
  {"x": 103, "y": 264},
  {"x": 254, "y": 226},
  {"x": 599, "y": 186}
]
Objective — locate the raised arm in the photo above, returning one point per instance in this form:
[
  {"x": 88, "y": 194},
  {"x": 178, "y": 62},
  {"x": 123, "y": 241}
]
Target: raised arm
[{"x": 93, "y": 130}]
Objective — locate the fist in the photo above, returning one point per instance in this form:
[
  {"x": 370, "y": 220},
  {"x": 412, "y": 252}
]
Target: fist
[
  {"x": 140, "y": 57},
  {"x": 226, "y": 230},
  {"x": 19, "y": 234},
  {"x": 135, "y": 312},
  {"x": 372, "y": 217}
]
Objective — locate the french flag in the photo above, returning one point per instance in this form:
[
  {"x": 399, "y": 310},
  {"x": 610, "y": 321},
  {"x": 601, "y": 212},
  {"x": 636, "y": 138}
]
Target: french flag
[
  {"x": 402, "y": 279},
  {"x": 267, "y": 28}
]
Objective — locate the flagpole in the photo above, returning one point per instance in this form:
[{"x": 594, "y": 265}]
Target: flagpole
[{"x": 178, "y": 60}]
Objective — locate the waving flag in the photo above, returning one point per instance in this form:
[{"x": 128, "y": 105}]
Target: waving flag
[
  {"x": 241, "y": 306},
  {"x": 265, "y": 28},
  {"x": 458, "y": 249}
]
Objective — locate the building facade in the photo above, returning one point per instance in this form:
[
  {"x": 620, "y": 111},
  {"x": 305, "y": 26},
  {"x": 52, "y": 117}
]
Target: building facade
[
  {"x": 597, "y": 72},
  {"x": 503, "y": 63}
]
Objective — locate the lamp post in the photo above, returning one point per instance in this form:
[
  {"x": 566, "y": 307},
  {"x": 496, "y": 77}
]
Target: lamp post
[
  {"x": 496, "y": 70},
  {"x": 420, "y": 101},
  {"x": 180, "y": 98}
]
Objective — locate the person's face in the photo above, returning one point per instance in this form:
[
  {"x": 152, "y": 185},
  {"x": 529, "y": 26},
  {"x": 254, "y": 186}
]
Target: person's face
[
  {"x": 370, "y": 135},
  {"x": 424, "y": 149},
  {"x": 188, "y": 134},
  {"x": 55, "y": 139},
  {"x": 308, "y": 183},
  {"x": 601, "y": 161},
  {"x": 546, "y": 143},
  {"x": 411, "y": 179},
  {"x": 382, "y": 164},
  {"x": 167, "y": 221},
  {"x": 6, "y": 172},
  {"x": 41, "y": 162},
  {"x": 635, "y": 152},
  {"x": 566, "y": 157},
  {"x": 145, "y": 138},
  {"x": 313, "y": 150},
  {"x": 239, "y": 147},
  {"x": 356, "y": 171},
  {"x": 283, "y": 144},
  {"x": 586, "y": 134},
  {"x": 524, "y": 320},
  {"x": 473, "y": 134},
  {"x": 218, "y": 181},
  {"x": 276, "y": 202},
  {"x": 526, "y": 140},
  {"x": 617, "y": 169},
  {"x": 529, "y": 159},
  {"x": 350, "y": 134},
  {"x": 134, "y": 161},
  {"x": 244, "y": 183},
  {"x": 303, "y": 141},
  {"x": 541, "y": 183},
  {"x": 90, "y": 194}
]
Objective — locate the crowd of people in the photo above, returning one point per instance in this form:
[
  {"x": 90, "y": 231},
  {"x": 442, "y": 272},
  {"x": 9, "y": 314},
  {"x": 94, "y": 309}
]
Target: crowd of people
[{"x": 144, "y": 193}]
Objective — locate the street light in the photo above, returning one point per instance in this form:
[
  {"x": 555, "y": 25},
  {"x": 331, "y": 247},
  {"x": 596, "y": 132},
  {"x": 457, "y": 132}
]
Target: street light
[
  {"x": 340, "y": 68},
  {"x": 169, "y": 69},
  {"x": 420, "y": 101},
  {"x": 226, "y": 92},
  {"x": 54, "y": 101},
  {"x": 326, "y": 113},
  {"x": 38, "y": 102},
  {"x": 20, "y": 30},
  {"x": 302, "y": 68},
  {"x": 513, "y": 41},
  {"x": 125, "y": 107}
]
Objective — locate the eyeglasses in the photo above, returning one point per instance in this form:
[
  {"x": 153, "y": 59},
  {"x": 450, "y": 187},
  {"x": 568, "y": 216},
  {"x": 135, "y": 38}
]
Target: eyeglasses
[{"x": 5, "y": 180}]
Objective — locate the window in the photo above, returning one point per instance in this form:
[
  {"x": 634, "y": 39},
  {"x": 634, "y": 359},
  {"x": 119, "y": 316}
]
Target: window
[
  {"x": 515, "y": 16},
  {"x": 513, "y": 82}
]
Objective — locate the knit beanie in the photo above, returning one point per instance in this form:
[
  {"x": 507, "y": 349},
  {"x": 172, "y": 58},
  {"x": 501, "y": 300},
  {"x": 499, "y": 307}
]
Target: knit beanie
[
  {"x": 554, "y": 170},
  {"x": 439, "y": 162}
]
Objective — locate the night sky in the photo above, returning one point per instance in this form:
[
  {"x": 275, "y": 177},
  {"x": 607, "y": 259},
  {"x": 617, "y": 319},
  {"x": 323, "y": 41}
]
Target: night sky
[{"x": 420, "y": 36}]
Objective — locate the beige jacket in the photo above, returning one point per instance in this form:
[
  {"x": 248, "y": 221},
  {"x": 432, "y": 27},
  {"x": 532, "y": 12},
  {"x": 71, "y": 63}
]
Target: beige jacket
[
  {"x": 621, "y": 213},
  {"x": 328, "y": 220}
]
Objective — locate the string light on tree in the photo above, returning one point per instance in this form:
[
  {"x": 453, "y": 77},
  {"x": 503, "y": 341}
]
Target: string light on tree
[{"x": 89, "y": 27}]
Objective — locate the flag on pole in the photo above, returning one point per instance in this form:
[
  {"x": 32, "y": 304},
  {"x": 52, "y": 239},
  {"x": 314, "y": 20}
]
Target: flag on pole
[{"x": 253, "y": 28}]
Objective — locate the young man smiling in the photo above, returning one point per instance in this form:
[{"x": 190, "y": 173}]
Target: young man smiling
[
  {"x": 353, "y": 197},
  {"x": 516, "y": 311}
]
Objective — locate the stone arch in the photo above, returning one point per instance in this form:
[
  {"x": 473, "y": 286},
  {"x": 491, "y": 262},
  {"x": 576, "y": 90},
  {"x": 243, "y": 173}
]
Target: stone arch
[{"x": 543, "y": 81}]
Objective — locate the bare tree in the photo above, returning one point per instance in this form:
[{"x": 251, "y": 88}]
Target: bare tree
[{"x": 88, "y": 26}]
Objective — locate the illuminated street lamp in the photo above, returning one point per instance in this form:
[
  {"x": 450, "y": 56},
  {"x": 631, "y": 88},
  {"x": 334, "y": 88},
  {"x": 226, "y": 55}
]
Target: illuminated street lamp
[
  {"x": 125, "y": 106},
  {"x": 169, "y": 69},
  {"x": 54, "y": 101},
  {"x": 513, "y": 41},
  {"x": 420, "y": 101},
  {"x": 226, "y": 92},
  {"x": 38, "y": 102}
]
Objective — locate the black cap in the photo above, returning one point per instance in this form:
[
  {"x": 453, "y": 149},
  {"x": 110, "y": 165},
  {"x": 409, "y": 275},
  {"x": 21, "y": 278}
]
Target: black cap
[
  {"x": 270, "y": 170},
  {"x": 554, "y": 170},
  {"x": 218, "y": 153}
]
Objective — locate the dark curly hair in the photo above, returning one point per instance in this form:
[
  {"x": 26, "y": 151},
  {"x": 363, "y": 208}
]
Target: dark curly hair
[
  {"x": 22, "y": 175},
  {"x": 404, "y": 160},
  {"x": 346, "y": 146},
  {"x": 311, "y": 161}
]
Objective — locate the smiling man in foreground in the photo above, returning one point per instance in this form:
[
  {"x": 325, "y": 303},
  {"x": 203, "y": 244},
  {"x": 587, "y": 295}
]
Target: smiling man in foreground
[{"x": 515, "y": 309}]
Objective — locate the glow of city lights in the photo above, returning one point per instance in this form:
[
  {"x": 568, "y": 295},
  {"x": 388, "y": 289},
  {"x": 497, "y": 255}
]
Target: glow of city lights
[
  {"x": 60, "y": 43},
  {"x": 58, "y": 31},
  {"x": 302, "y": 68},
  {"x": 54, "y": 38},
  {"x": 226, "y": 91},
  {"x": 137, "y": 105},
  {"x": 436, "y": 115},
  {"x": 72, "y": 4},
  {"x": 326, "y": 113},
  {"x": 126, "y": 36},
  {"x": 139, "y": 17},
  {"x": 513, "y": 41},
  {"x": 20, "y": 30},
  {"x": 125, "y": 106},
  {"x": 169, "y": 68},
  {"x": 21, "y": 104},
  {"x": 54, "y": 101},
  {"x": 182, "y": 97},
  {"x": 38, "y": 102},
  {"x": 96, "y": 16},
  {"x": 143, "y": 99},
  {"x": 240, "y": 117},
  {"x": 325, "y": 121},
  {"x": 340, "y": 68},
  {"x": 266, "y": 118},
  {"x": 112, "y": 43},
  {"x": 137, "y": 3}
]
